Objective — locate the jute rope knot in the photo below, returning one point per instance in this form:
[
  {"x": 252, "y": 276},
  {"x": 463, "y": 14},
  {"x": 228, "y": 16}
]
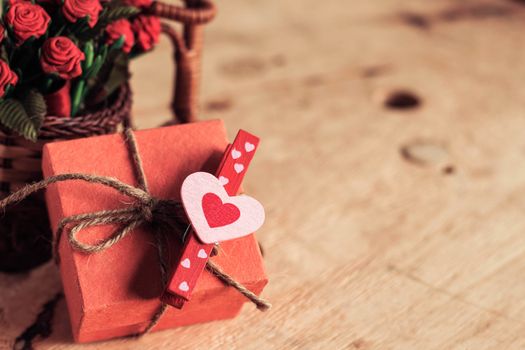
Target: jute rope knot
[
  {"x": 147, "y": 209},
  {"x": 163, "y": 215}
]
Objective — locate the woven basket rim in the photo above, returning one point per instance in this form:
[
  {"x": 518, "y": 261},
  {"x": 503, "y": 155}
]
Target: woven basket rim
[{"x": 90, "y": 124}]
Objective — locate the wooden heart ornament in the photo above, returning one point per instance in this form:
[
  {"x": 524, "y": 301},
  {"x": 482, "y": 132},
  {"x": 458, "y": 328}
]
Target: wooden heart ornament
[{"x": 214, "y": 215}]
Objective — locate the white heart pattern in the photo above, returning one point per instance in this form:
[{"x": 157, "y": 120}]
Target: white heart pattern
[
  {"x": 186, "y": 263},
  {"x": 184, "y": 286},
  {"x": 249, "y": 147},
  {"x": 250, "y": 212},
  {"x": 224, "y": 180},
  {"x": 238, "y": 168},
  {"x": 236, "y": 154},
  {"x": 202, "y": 254}
]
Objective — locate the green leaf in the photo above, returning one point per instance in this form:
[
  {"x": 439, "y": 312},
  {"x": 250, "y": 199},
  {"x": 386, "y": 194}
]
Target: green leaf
[
  {"x": 117, "y": 45},
  {"x": 25, "y": 118},
  {"x": 113, "y": 14},
  {"x": 109, "y": 15},
  {"x": 36, "y": 107}
]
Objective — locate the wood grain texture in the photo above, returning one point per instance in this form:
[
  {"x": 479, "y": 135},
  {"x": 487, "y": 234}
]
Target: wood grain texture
[{"x": 396, "y": 227}]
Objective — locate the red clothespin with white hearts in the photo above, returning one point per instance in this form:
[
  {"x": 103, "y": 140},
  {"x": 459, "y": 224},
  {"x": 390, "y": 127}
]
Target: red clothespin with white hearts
[{"x": 216, "y": 214}]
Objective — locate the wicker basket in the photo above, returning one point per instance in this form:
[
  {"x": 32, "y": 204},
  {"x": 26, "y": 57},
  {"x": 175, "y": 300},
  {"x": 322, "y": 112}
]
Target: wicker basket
[{"x": 23, "y": 242}]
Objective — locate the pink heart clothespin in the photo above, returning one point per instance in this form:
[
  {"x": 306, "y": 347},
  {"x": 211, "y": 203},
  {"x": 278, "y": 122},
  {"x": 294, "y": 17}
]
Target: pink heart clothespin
[{"x": 208, "y": 214}]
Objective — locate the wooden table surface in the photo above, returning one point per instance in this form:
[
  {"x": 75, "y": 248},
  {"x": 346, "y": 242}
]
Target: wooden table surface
[{"x": 391, "y": 167}]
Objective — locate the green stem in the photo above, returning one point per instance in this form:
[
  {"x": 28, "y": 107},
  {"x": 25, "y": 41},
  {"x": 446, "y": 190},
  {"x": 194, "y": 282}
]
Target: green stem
[
  {"x": 59, "y": 32},
  {"x": 89, "y": 53},
  {"x": 78, "y": 92}
]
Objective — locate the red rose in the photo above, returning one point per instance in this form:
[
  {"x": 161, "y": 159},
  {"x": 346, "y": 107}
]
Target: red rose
[
  {"x": 147, "y": 31},
  {"x": 120, "y": 28},
  {"x": 7, "y": 77},
  {"x": 138, "y": 3},
  {"x": 61, "y": 56},
  {"x": 27, "y": 20},
  {"x": 74, "y": 10},
  {"x": 2, "y": 33}
]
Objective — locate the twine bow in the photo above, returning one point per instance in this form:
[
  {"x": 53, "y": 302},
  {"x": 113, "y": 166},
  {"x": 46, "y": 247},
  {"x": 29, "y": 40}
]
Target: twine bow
[{"x": 163, "y": 215}]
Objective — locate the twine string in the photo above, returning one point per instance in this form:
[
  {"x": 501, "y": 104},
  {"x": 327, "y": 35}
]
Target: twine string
[{"x": 164, "y": 216}]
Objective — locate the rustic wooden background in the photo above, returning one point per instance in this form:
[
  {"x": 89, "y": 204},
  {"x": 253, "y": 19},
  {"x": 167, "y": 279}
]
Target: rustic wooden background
[{"x": 392, "y": 170}]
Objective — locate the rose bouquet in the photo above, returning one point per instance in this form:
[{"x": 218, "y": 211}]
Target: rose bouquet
[{"x": 65, "y": 57}]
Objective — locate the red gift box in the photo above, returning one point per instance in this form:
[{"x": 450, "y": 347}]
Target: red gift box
[{"x": 116, "y": 292}]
